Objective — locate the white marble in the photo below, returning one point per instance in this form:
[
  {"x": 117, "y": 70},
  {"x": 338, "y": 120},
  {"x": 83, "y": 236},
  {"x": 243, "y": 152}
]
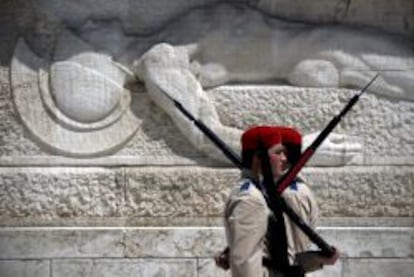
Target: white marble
[
  {"x": 167, "y": 194},
  {"x": 24, "y": 268},
  {"x": 102, "y": 162},
  {"x": 211, "y": 55},
  {"x": 379, "y": 267},
  {"x": 67, "y": 138},
  {"x": 182, "y": 242},
  {"x": 49, "y": 243},
  {"x": 298, "y": 57},
  {"x": 124, "y": 267},
  {"x": 381, "y": 126},
  {"x": 145, "y": 17},
  {"x": 369, "y": 242},
  {"x": 60, "y": 193}
]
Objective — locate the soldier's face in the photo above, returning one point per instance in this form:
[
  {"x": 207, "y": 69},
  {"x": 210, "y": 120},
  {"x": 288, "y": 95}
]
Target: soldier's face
[{"x": 278, "y": 159}]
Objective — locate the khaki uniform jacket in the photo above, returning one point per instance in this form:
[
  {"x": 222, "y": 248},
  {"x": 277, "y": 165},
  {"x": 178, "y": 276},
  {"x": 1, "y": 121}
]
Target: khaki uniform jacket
[
  {"x": 246, "y": 218},
  {"x": 300, "y": 198}
]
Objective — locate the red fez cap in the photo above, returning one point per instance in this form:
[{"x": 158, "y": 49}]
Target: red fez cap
[
  {"x": 290, "y": 135},
  {"x": 265, "y": 135},
  {"x": 269, "y": 135}
]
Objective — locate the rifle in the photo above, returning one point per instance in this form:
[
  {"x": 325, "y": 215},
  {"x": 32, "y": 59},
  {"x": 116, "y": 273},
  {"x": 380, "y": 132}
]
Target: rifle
[
  {"x": 275, "y": 190},
  {"x": 290, "y": 175}
]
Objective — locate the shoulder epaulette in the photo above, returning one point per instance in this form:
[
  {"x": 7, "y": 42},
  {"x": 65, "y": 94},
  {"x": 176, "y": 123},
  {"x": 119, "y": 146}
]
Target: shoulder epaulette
[
  {"x": 245, "y": 186},
  {"x": 294, "y": 185}
]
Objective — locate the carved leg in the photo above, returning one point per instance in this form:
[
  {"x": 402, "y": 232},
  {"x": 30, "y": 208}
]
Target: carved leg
[
  {"x": 163, "y": 67},
  {"x": 314, "y": 73},
  {"x": 210, "y": 74},
  {"x": 404, "y": 79},
  {"x": 359, "y": 79}
]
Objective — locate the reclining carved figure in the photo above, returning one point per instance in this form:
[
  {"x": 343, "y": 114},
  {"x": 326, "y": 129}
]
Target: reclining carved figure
[
  {"x": 245, "y": 45},
  {"x": 221, "y": 43}
]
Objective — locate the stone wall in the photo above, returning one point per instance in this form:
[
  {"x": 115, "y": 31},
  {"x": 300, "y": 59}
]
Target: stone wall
[
  {"x": 180, "y": 251},
  {"x": 152, "y": 204}
]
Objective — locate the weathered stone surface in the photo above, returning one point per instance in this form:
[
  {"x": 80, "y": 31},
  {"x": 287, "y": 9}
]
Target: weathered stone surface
[
  {"x": 182, "y": 242},
  {"x": 13, "y": 140},
  {"x": 60, "y": 192},
  {"x": 141, "y": 19},
  {"x": 48, "y": 243},
  {"x": 334, "y": 11},
  {"x": 184, "y": 195},
  {"x": 368, "y": 242},
  {"x": 370, "y": 191},
  {"x": 173, "y": 242},
  {"x": 73, "y": 268},
  {"x": 177, "y": 192},
  {"x": 208, "y": 268},
  {"x": 393, "y": 16},
  {"x": 144, "y": 17},
  {"x": 124, "y": 267},
  {"x": 383, "y": 126},
  {"x": 17, "y": 268},
  {"x": 379, "y": 267}
]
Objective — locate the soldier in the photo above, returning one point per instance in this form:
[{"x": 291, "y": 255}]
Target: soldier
[{"x": 247, "y": 213}]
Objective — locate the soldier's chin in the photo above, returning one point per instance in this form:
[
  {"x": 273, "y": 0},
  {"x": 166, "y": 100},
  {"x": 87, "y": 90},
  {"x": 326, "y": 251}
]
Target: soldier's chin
[
  {"x": 283, "y": 173},
  {"x": 286, "y": 170},
  {"x": 277, "y": 176}
]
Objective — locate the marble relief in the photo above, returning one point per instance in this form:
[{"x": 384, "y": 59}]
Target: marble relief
[
  {"x": 76, "y": 102},
  {"x": 73, "y": 107},
  {"x": 100, "y": 174}
]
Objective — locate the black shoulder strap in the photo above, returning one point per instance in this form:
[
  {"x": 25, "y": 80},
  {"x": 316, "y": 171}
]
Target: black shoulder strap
[
  {"x": 276, "y": 233},
  {"x": 277, "y": 240}
]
